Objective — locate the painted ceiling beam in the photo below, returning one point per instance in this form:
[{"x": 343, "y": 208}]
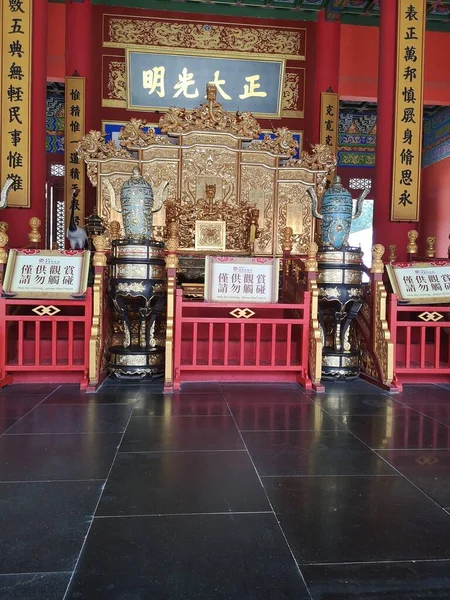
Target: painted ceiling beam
[
  {"x": 276, "y": 11},
  {"x": 334, "y": 9}
]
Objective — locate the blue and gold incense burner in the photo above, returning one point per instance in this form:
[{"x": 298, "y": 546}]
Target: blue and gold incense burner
[
  {"x": 337, "y": 213},
  {"x": 137, "y": 286},
  {"x": 339, "y": 280}
]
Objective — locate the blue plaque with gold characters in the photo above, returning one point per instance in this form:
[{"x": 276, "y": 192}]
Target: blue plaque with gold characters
[{"x": 158, "y": 81}]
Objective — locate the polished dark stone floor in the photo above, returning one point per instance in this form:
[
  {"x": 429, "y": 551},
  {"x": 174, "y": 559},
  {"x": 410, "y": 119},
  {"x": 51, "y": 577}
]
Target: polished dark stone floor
[{"x": 228, "y": 492}]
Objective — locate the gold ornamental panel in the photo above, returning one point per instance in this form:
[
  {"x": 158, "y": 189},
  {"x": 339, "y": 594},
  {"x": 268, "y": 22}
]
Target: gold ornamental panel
[
  {"x": 259, "y": 158},
  {"x": 137, "y": 360},
  {"x": 257, "y": 188},
  {"x": 118, "y": 166},
  {"x": 122, "y": 271},
  {"x": 204, "y": 165},
  {"x": 161, "y": 153},
  {"x": 353, "y": 257},
  {"x": 339, "y": 276},
  {"x": 338, "y": 361},
  {"x": 207, "y": 138},
  {"x": 330, "y": 257},
  {"x": 125, "y": 32},
  {"x": 297, "y": 174},
  {"x": 138, "y": 252},
  {"x": 330, "y": 276},
  {"x": 210, "y": 235},
  {"x": 294, "y": 211},
  {"x": 108, "y": 199},
  {"x": 352, "y": 276},
  {"x": 130, "y": 271},
  {"x": 130, "y": 288},
  {"x": 329, "y": 293}
]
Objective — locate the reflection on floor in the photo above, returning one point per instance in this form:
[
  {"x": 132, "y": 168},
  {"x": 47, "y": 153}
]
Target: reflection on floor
[{"x": 233, "y": 491}]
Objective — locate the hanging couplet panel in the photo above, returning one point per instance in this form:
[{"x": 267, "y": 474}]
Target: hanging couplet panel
[
  {"x": 408, "y": 110},
  {"x": 15, "y": 23},
  {"x": 75, "y": 104},
  {"x": 329, "y": 120}
]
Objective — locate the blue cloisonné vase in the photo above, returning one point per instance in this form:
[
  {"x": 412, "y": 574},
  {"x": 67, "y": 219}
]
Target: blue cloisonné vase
[
  {"x": 136, "y": 200},
  {"x": 336, "y": 213}
]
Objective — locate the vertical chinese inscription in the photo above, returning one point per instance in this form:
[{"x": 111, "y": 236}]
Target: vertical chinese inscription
[
  {"x": 15, "y": 98},
  {"x": 75, "y": 129},
  {"x": 408, "y": 110},
  {"x": 329, "y": 119}
]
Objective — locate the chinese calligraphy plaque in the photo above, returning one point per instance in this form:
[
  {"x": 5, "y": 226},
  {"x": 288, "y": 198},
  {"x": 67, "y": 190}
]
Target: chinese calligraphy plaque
[
  {"x": 15, "y": 100},
  {"x": 409, "y": 109},
  {"x": 158, "y": 81},
  {"x": 74, "y": 131}
]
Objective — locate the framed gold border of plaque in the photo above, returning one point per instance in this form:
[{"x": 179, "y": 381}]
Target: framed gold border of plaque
[
  {"x": 10, "y": 272},
  {"x": 260, "y": 58}
]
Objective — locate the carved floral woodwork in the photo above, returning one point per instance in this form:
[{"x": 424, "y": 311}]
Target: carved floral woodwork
[
  {"x": 121, "y": 32},
  {"x": 210, "y": 116}
]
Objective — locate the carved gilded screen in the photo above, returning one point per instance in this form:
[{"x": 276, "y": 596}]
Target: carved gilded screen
[{"x": 208, "y": 166}]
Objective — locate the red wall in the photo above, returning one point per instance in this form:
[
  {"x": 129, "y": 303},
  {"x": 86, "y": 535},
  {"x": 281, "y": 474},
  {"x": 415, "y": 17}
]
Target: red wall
[
  {"x": 437, "y": 82},
  {"x": 435, "y": 206},
  {"x": 358, "y": 65},
  {"x": 56, "y": 41}
]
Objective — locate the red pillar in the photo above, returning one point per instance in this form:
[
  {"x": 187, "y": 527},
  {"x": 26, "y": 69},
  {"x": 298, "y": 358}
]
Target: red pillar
[
  {"x": 78, "y": 45},
  {"x": 328, "y": 48},
  {"x": 38, "y": 159},
  {"x": 78, "y": 59},
  {"x": 385, "y": 231}
]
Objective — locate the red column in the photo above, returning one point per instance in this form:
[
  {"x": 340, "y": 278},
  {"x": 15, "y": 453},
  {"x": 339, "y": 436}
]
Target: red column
[
  {"x": 78, "y": 45},
  {"x": 328, "y": 48},
  {"x": 38, "y": 159},
  {"x": 385, "y": 231}
]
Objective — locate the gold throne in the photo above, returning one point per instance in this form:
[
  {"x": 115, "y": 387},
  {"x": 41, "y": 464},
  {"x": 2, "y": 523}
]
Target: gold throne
[
  {"x": 209, "y": 224},
  {"x": 231, "y": 189}
]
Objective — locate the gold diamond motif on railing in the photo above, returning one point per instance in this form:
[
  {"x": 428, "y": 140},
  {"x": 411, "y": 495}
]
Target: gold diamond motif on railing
[
  {"x": 46, "y": 310},
  {"x": 431, "y": 316},
  {"x": 427, "y": 460},
  {"x": 242, "y": 312}
]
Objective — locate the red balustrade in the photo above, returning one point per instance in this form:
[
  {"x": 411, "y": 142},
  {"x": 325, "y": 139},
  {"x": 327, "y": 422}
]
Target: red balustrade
[
  {"x": 251, "y": 342},
  {"x": 421, "y": 335},
  {"x": 44, "y": 340}
]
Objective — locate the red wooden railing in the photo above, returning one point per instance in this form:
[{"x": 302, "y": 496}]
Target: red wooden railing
[
  {"x": 421, "y": 335},
  {"x": 45, "y": 339},
  {"x": 265, "y": 342}
]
